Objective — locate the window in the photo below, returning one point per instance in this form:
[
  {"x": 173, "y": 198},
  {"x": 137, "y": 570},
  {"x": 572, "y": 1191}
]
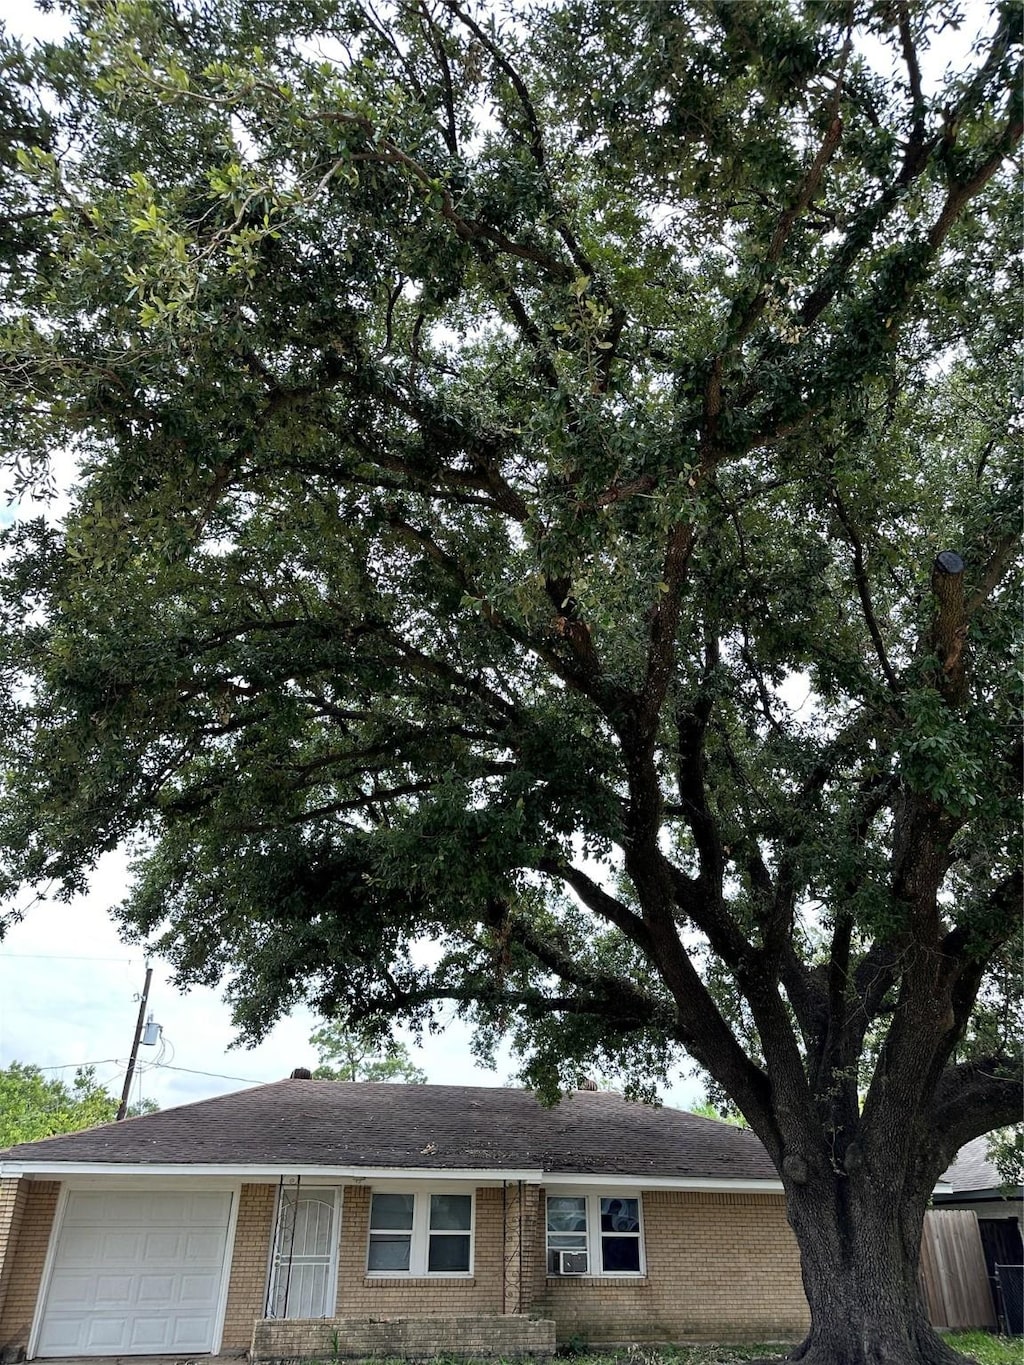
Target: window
[
  {"x": 567, "y": 1232},
  {"x": 391, "y": 1217},
  {"x": 451, "y": 1217},
  {"x": 420, "y": 1234},
  {"x": 594, "y": 1234},
  {"x": 620, "y": 1236}
]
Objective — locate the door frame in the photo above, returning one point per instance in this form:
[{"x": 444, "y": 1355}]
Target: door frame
[{"x": 290, "y": 1183}]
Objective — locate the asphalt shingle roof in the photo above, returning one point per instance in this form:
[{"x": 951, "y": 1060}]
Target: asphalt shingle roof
[
  {"x": 972, "y": 1169},
  {"x": 429, "y": 1127}
]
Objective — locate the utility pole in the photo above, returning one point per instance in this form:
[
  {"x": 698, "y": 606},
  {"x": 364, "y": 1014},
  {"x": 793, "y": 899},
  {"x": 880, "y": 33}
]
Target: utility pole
[{"x": 123, "y": 1107}]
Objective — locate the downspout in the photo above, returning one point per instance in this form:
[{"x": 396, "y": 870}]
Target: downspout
[
  {"x": 504, "y": 1247},
  {"x": 520, "y": 1309}
]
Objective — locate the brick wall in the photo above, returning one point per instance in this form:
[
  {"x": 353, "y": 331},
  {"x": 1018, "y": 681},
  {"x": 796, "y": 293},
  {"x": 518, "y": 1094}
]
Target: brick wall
[
  {"x": 534, "y": 1276},
  {"x": 533, "y": 1246},
  {"x": 12, "y": 1203},
  {"x": 28, "y": 1239},
  {"x": 247, "y": 1286},
  {"x": 520, "y": 1212},
  {"x": 413, "y": 1338},
  {"x": 359, "y": 1293},
  {"x": 720, "y": 1267}
]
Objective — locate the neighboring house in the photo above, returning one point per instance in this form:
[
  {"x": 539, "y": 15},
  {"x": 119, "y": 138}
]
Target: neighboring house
[
  {"x": 972, "y": 1183},
  {"x": 325, "y": 1218}
]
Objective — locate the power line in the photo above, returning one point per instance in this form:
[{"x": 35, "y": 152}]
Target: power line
[
  {"x": 156, "y": 1066},
  {"x": 67, "y": 957},
  {"x": 217, "y": 1075},
  {"x": 66, "y": 1066}
]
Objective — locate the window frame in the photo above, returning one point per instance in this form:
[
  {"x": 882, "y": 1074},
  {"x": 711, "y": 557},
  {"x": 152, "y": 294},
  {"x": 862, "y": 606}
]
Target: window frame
[
  {"x": 594, "y": 1235},
  {"x": 420, "y": 1234}
]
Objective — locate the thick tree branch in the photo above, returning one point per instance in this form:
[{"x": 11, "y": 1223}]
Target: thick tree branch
[
  {"x": 745, "y": 323},
  {"x": 691, "y": 730},
  {"x": 1002, "y": 557},
  {"x": 962, "y": 191},
  {"x": 917, "y": 102},
  {"x": 949, "y": 626},
  {"x": 975, "y": 1097},
  {"x": 581, "y": 669},
  {"x": 595, "y": 898},
  {"x": 536, "y": 136},
  {"x": 664, "y": 624},
  {"x": 436, "y": 41}
]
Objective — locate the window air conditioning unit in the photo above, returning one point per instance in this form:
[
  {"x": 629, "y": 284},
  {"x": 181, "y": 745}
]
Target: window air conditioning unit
[{"x": 572, "y": 1263}]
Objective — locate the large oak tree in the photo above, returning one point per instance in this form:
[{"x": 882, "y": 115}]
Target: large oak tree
[{"x": 545, "y": 485}]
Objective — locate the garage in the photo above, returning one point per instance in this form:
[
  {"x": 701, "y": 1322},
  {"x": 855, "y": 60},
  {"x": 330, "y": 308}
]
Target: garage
[{"x": 136, "y": 1273}]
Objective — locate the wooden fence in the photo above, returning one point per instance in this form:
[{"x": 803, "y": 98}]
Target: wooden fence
[{"x": 953, "y": 1273}]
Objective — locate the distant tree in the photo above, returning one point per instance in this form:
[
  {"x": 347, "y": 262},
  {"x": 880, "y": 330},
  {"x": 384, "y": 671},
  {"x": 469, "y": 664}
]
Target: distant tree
[
  {"x": 707, "y": 1110},
  {"x": 350, "y": 1053},
  {"x": 31, "y": 1106},
  {"x": 1006, "y": 1153}
]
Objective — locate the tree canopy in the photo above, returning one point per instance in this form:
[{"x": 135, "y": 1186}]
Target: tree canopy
[
  {"x": 354, "y": 1054},
  {"x": 33, "y": 1106},
  {"x": 546, "y": 486}
]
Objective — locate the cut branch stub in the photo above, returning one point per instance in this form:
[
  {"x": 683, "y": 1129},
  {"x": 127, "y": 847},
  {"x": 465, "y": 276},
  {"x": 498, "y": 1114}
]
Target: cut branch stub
[
  {"x": 948, "y": 562},
  {"x": 949, "y": 628}
]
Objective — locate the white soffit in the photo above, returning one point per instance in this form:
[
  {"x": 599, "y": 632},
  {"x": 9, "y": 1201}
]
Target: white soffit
[{"x": 366, "y": 1175}]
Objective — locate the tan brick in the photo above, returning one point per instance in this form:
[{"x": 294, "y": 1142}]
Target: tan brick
[
  {"x": 12, "y": 1203},
  {"x": 720, "y": 1267},
  {"x": 31, "y": 1219},
  {"x": 359, "y": 1293},
  {"x": 247, "y": 1287}
]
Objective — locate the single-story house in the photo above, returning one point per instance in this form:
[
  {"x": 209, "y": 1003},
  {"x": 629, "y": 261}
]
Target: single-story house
[{"x": 325, "y": 1219}]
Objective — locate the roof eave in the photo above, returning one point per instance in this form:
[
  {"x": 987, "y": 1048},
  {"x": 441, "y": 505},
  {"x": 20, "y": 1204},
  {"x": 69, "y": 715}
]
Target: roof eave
[
  {"x": 259, "y": 1172},
  {"x": 988, "y": 1194},
  {"x": 254, "y": 1171},
  {"x": 723, "y": 1184}
]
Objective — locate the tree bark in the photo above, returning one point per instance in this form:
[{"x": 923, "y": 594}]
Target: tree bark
[{"x": 860, "y": 1253}]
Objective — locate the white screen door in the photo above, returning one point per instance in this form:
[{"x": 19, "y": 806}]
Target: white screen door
[{"x": 302, "y": 1275}]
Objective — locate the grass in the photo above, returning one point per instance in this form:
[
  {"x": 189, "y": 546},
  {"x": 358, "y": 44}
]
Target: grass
[
  {"x": 983, "y": 1347},
  {"x": 987, "y": 1349},
  {"x": 683, "y": 1355}
]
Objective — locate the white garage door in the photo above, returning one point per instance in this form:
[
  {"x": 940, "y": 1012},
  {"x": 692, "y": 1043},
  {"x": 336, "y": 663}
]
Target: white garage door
[{"x": 136, "y": 1274}]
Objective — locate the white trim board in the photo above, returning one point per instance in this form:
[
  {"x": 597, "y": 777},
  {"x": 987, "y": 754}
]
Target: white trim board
[
  {"x": 359, "y": 1175},
  {"x": 238, "y": 1171}
]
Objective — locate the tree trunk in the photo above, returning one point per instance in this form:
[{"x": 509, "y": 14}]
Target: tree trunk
[{"x": 860, "y": 1252}]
